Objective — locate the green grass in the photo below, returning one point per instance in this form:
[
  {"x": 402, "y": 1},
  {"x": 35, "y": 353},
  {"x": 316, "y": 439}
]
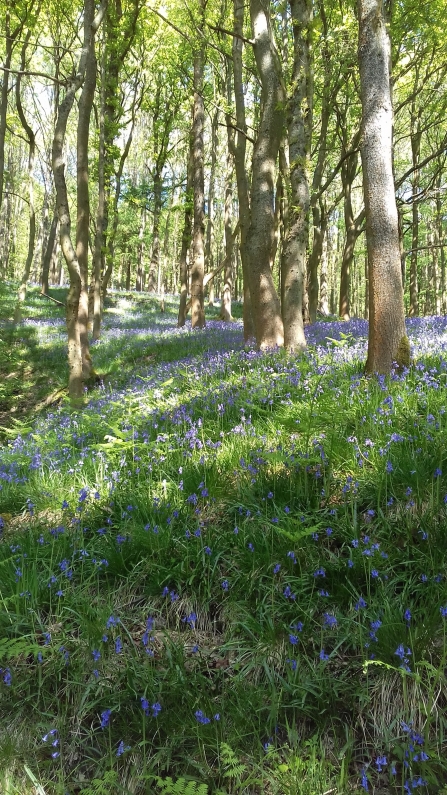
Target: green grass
[{"x": 196, "y": 513}]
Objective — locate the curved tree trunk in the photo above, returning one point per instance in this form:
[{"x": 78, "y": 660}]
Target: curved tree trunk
[
  {"x": 265, "y": 302},
  {"x": 387, "y": 341}
]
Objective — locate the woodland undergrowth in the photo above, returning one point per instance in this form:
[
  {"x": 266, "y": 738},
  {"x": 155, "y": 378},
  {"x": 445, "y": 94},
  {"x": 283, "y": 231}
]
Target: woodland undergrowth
[{"x": 227, "y": 573}]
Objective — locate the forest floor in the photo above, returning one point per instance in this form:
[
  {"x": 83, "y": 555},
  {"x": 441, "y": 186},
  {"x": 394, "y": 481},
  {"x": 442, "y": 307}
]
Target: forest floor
[{"x": 227, "y": 573}]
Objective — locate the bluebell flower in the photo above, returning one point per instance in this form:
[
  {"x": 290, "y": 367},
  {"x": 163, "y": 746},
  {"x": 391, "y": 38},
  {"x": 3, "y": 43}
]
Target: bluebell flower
[
  {"x": 201, "y": 718},
  {"x": 360, "y": 604},
  {"x": 329, "y": 620},
  {"x": 105, "y": 717},
  {"x": 381, "y": 762},
  {"x": 96, "y": 655},
  {"x": 276, "y": 568},
  {"x": 118, "y": 646},
  {"x": 323, "y": 655},
  {"x": 364, "y": 780},
  {"x": 122, "y": 748},
  {"x": 225, "y": 585}
]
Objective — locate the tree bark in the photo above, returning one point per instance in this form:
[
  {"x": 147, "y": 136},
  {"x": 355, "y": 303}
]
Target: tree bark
[
  {"x": 98, "y": 252},
  {"x": 32, "y": 213},
  {"x": 265, "y": 302},
  {"x": 299, "y": 124},
  {"x": 83, "y": 194},
  {"x": 353, "y": 228},
  {"x": 415, "y": 139},
  {"x": 209, "y": 242},
  {"x": 186, "y": 242},
  {"x": 387, "y": 341},
  {"x": 75, "y": 359},
  {"x": 139, "y": 283},
  {"x": 225, "y": 306},
  {"x": 239, "y": 162},
  {"x": 198, "y": 257}
]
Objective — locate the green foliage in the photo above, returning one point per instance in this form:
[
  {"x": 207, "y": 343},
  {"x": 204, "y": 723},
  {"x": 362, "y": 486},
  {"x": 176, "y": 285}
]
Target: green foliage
[
  {"x": 228, "y": 496},
  {"x": 181, "y": 786},
  {"x": 102, "y": 786}
]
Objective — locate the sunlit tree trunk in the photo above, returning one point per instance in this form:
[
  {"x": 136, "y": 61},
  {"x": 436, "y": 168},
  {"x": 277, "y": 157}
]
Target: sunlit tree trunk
[
  {"x": 387, "y": 340},
  {"x": 265, "y": 302}
]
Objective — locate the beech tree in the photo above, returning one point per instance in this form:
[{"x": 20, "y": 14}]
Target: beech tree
[{"x": 387, "y": 341}]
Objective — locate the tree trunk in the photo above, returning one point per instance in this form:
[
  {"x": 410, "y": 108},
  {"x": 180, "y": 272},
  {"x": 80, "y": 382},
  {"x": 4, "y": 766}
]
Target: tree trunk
[
  {"x": 75, "y": 359},
  {"x": 239, "y": 161},
  {"x": 198, "y": 258},
  {"x": 265, "y": 302},
  {"x": 98, "y": 253},
  {"x": 415, "y": 138},
  {"x": 439, "y": 232},
  {"x": 299, "y": 123},
  {"x": 387, "y": 341},
  {"x": 155, "y": 257},
  {"x": 353, "y": 228},
  {"x": 186, "y": 242},
  {"x": 319, "y": 220},
  {"x": 32, "y": 213},
  {"x": 324, "y": 274},
  {"x": 225, "y": 306},
  {"x": 83, "y": 195},
  {"x": 10, "y": 38},
  {"x": 209, "y": 243},
  {"x": 139, "y": 283}
]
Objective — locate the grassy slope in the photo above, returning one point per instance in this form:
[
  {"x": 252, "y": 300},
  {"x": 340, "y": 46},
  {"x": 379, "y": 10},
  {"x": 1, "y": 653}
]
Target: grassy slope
[{"x": 246, "y": 541}]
